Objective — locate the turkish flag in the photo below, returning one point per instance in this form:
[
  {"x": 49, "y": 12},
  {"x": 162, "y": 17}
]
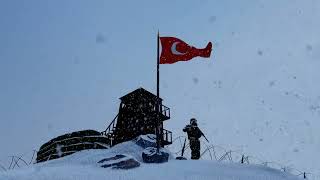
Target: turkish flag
[{"x": 174, "y": 50}]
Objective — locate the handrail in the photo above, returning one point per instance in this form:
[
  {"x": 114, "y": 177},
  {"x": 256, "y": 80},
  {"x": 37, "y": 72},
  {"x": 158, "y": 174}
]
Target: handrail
[
  {"x": 109, "y": 127},
  {"x": 165, "y": 111},
  {"x": 167, "y": 135}
]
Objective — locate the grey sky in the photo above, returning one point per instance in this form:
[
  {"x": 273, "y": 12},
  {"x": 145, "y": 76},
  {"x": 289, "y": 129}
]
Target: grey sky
[{"x": 64, "y": 64}]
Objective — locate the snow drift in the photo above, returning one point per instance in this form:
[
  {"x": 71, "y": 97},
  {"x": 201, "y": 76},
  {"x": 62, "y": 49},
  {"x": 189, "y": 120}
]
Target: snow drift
[{"x": 88, "y": 165}]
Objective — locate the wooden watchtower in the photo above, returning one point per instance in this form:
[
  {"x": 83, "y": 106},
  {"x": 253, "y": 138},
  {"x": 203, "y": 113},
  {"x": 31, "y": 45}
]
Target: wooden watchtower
[{"x": 137, "y": 116}]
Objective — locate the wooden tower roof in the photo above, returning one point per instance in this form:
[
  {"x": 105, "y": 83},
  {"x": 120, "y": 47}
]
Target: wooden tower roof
[{"x": 139, "y": 93}]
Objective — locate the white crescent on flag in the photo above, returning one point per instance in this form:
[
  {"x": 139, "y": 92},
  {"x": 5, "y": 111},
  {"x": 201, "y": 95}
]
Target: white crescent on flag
[{"x": 174, "y": 49}]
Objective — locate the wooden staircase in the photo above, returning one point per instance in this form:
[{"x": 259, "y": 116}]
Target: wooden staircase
[{"x": 109, "y": 132}]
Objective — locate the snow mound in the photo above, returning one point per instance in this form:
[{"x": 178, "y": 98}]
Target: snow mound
[
  {"x": 145, "y": 141},
  {"x": 104, "y": 163},
  {"x": 119, "y": 161}
]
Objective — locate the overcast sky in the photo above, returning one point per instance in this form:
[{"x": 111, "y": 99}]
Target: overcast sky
[{"x": 64, "y": 64}]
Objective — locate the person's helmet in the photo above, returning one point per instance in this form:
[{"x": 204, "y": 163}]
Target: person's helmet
[{"x": 193, "y": 121}]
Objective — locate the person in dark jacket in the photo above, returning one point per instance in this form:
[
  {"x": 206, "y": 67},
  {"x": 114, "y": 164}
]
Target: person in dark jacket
[{"x": 194, "y": 133}]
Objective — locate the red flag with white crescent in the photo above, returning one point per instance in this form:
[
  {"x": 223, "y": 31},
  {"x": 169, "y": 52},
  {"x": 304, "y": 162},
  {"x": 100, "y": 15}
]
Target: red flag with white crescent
[{"x": 174, "y": 50}]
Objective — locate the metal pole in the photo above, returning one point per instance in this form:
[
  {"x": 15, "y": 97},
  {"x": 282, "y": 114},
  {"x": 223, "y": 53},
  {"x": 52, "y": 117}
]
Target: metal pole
[
  {"x": 158, "y": 103},
  {"x": 158, "y": 61}
]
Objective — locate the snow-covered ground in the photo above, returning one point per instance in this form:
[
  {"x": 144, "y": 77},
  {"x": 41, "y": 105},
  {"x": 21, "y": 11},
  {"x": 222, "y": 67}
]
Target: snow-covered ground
[
  {"x": 83, "y": 166},
  {"x": 259, "y": 93}
]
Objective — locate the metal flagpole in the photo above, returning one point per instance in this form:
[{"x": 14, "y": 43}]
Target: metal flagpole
[{"x": 158, "y": 133}]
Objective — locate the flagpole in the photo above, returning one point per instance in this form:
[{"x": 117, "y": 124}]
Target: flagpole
[{"x": 158, "y": 133}]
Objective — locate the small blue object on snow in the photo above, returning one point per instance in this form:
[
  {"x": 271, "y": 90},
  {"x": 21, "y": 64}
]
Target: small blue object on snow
[
  {"x": 145, "y": 141},
  {"x": 150, "y": 155}
]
